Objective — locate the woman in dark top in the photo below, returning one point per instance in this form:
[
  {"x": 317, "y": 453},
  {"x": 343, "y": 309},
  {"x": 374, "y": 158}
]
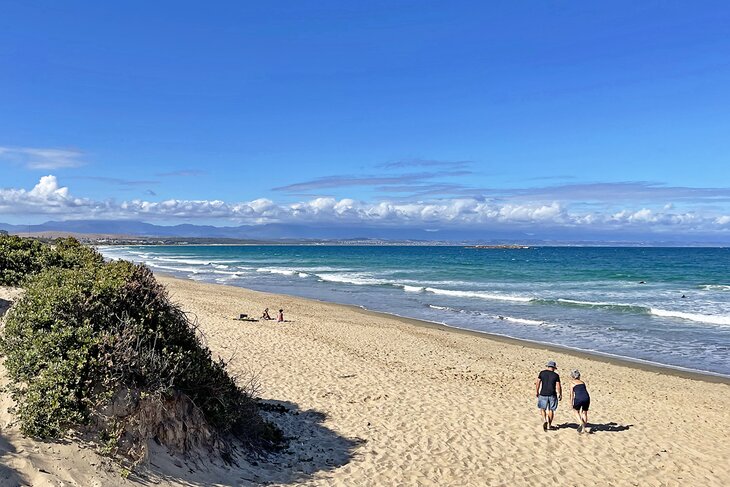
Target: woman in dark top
[{"x": 580, "y": 400}]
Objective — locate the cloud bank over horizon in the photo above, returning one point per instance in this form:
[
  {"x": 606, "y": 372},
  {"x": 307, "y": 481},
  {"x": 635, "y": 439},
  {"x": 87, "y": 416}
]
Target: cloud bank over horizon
[{"x": 542, "y": 210}]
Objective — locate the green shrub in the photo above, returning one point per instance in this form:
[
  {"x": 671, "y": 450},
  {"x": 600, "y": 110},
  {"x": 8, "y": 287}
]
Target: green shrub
[
  {"x": 21, "y": 258},
  {"x": 50, "y": 339},
  {"x": 101, "y": 347},
  {"x": 69, "y": 253}
]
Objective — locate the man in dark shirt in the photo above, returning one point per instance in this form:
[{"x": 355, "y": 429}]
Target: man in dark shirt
[{"x": 548, "y": 392}]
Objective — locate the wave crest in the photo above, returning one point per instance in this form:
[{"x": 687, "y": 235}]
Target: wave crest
[
  {"x": 715, "y": 287},
  {"x": 714, "y": 319},
  {"x": 477, "y": 294}
]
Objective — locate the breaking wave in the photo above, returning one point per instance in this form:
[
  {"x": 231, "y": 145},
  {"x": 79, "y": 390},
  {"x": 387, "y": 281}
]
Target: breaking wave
[
  {"x": 713, "y": 319},
  {"x": 478, "y": 294}
]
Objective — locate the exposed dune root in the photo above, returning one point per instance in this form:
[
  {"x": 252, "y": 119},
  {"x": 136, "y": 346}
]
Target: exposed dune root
[{"x": 133, "y": 420}]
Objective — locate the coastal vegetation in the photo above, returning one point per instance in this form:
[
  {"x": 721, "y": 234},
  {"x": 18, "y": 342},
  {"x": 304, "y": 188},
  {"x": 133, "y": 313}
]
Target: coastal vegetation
[
  {"x": 98, "y": 351},
  {"x": 23, "y": 258}
]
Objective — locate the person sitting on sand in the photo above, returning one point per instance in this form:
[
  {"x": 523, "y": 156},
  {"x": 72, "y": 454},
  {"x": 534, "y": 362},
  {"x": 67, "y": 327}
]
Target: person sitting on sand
[
  {"x": 266, "y": 316},
  {"x": 548, "y": 392},
  {"x": 281, "y": 316},
  {"x": 580, "y": 400}
]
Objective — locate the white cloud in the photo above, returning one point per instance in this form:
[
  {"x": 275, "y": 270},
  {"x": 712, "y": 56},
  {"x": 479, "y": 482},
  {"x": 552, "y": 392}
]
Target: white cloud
[
  {"x": 530, "y": 213},
  {"x": 723, "y": 220},
  {"x": 34, "y": 158},
  {"x": 46, "y": 197},
  {"x": 48, "y": 187},
  {"x": 49, "y": 198}
]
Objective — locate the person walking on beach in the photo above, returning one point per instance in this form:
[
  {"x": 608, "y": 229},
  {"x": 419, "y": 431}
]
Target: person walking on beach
[
  {"x": 580, "y": 400},
  {"x": 281, "y": 316},
  {"x": 548, "y": 392}
]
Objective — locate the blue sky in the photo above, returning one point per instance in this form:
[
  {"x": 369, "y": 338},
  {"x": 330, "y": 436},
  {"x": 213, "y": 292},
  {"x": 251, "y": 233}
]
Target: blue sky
[{"x": 425, "y": 114}]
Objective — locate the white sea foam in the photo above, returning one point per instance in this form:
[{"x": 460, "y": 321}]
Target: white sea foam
[
  {"x": 713, "y": 319},
  {"x": 228, "y": 278},
  {"x": 181, "y": 260},
  {"x": 303, "y": 274},
  {"x": 173, "y": 268},
  {"x": 443, "y": 308},
  {"x": 276, "y": 270},
  {"x": 715, "y": 287},
  {"x": 356, "y": 279},
  {"x": 188, "y": 260},
  {"x": 589, "y": 303},
  {"x": 128, "y": 255},
  {"x": 326, "y": 269},
  {"x": 478, "y": 294},
  {"x": 411, "y": 289},
  {"x": 524, "y": 321},
  {"x": 243, "y": 268},
  {"x": 229, "y": 273}
]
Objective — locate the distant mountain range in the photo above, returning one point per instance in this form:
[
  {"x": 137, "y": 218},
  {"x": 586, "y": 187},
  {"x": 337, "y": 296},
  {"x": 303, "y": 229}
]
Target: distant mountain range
[
  {"x": 273, "y": 231},
  {"x": 281, "y": 231}
]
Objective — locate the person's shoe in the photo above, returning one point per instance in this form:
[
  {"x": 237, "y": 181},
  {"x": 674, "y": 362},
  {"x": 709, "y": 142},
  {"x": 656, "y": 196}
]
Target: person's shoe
[
  {"x": 545, "y": 426},
  {"x": 581, "y": 428}
]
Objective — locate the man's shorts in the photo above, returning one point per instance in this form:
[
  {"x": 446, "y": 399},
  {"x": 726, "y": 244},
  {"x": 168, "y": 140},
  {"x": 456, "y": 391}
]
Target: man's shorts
[{"x": 547, "y": 402}]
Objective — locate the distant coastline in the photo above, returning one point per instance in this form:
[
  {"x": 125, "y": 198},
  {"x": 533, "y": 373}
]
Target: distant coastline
[
  {"x": 511, "y": 246},
  {"x": 126, "y": 239}
]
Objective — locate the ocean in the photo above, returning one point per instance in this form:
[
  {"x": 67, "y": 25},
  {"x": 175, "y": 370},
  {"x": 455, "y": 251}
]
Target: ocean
[{"x": 669, "y": 306}]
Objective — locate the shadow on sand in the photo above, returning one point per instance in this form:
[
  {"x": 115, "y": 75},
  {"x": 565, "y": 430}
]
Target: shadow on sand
[
  {"x": 8, "y": 476},
  {"x": 4, "y": 305},
  {"x": 311, "y": 449},
  {"x": 597, "y": 427}
]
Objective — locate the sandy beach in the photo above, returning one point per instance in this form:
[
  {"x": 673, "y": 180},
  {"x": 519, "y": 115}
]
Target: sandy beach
[{"x": 370, "y": 399}]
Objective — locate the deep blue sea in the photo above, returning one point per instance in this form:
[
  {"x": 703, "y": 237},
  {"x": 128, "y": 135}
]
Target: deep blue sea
[{"x": 665, "y": 305}]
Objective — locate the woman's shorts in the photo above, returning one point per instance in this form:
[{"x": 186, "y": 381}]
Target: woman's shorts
[{"x": 584, "y": 405}]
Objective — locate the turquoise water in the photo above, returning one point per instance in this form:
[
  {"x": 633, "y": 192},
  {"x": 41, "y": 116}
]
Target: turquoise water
[{"x": 620, "y": 301}]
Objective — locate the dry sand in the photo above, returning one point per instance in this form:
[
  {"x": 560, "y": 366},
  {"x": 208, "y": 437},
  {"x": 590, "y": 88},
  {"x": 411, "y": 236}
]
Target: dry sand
[{"x": 376, "y": 400}]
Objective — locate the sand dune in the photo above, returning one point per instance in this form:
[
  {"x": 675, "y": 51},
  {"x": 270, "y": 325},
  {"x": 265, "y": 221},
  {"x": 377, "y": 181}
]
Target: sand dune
[{"x": 368, "y": 399}]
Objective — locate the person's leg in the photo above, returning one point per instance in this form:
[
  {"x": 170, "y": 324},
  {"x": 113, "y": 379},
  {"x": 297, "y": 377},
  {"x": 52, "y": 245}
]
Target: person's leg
[
  {"x": 552, "y": 406},
  {"x": 542, "y": 406},
  {"x": 580, "y": 419}
]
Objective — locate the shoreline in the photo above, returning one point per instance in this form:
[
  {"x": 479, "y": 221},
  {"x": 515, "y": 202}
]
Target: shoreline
[
  {"x": 371, "y": 398},
  {"x": 407, "y": 402},
  {"x": 645, "y": 365}
]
